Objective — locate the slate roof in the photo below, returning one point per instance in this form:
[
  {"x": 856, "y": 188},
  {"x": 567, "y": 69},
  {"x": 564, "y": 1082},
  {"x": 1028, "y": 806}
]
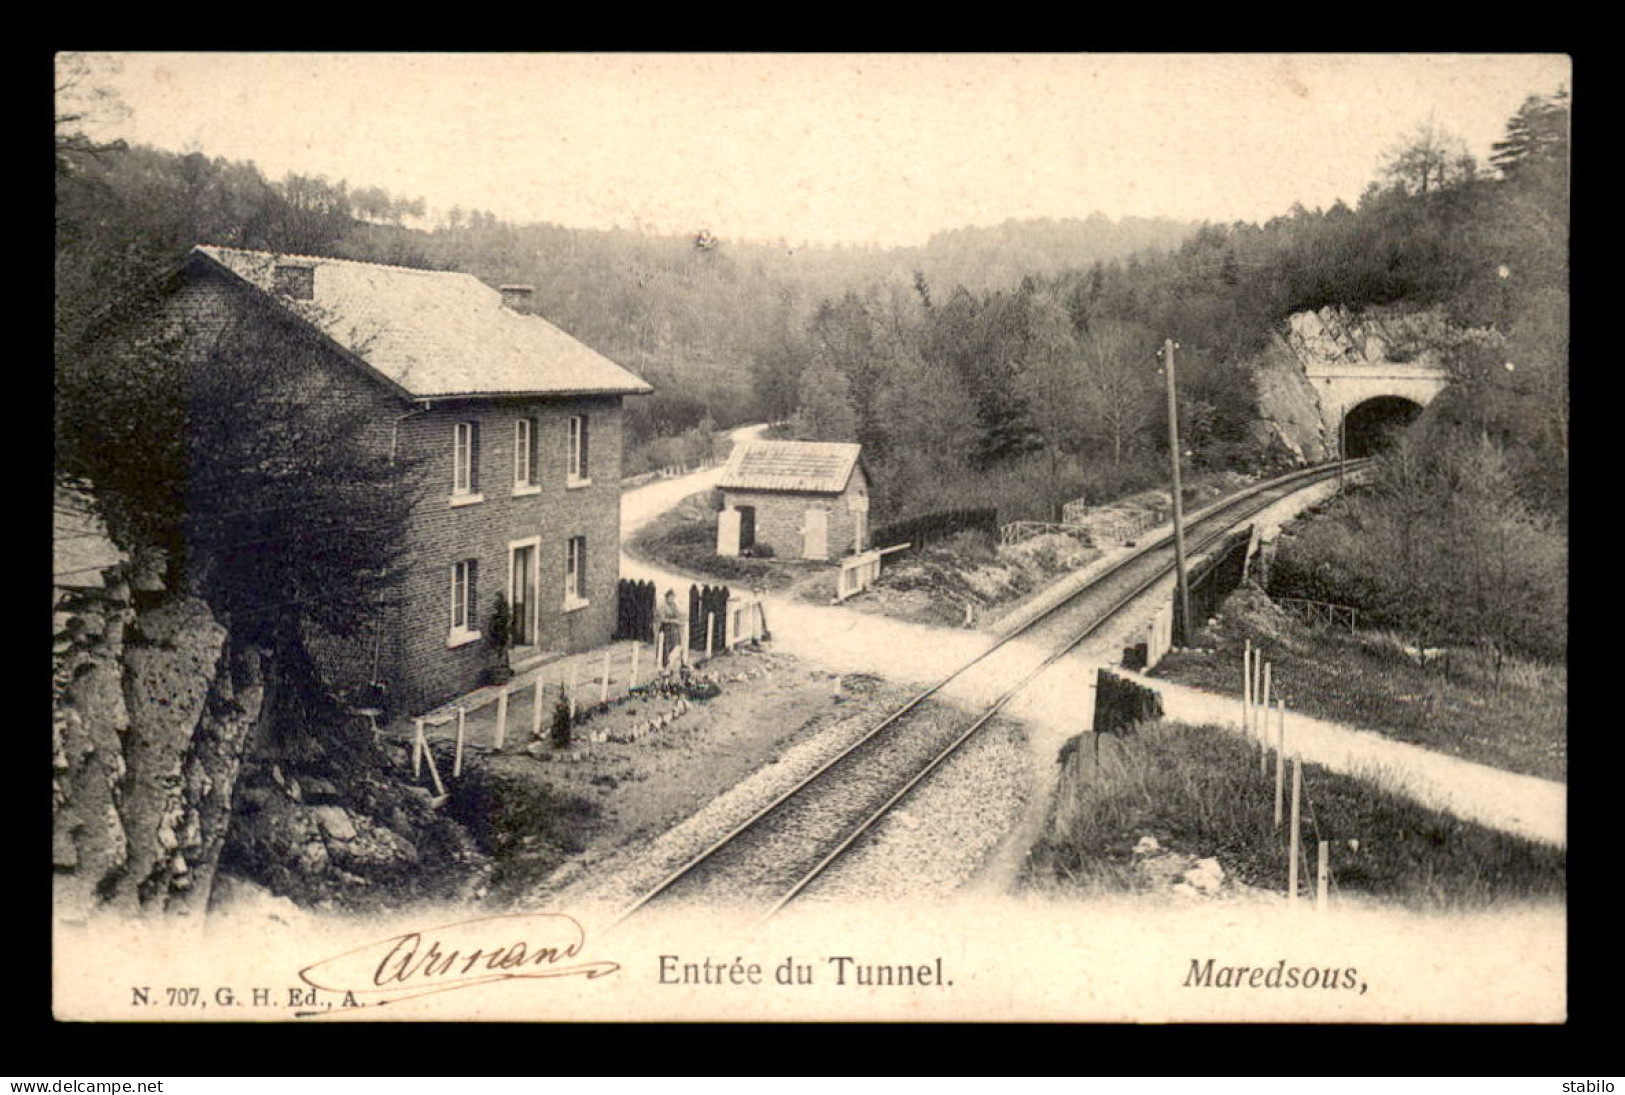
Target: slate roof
[
  {"x": 820, "y": 467},
  {"x": 435, "y": 333}
]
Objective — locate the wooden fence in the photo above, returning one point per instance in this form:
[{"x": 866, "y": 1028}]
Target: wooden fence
[
  {"x": 1113, "y": 523},
  {"x": 1017, "y": 531},
  {"x": 918, "y": 532},
  {"x": 707, "y": 618},
  {"x": 635, "y": 611},
  {"x": 747, "y": 620},
  {"x": 1319, "y": 613},
  {"x": 1264, "y": 724},
  {"x": 858, "y": 573}
]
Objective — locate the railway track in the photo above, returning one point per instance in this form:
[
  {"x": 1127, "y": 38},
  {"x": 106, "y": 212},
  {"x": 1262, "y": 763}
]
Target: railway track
[{"x": 771, "y": 858}]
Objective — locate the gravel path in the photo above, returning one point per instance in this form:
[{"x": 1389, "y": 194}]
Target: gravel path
[
  {"x": 939, "y": 837},
  {"x": 604, "y": 887},
  {"x": 1525, "y": 805}
]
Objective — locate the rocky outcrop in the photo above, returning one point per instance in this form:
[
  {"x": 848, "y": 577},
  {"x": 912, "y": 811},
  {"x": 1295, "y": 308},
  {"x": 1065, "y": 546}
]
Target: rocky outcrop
[
  {"x": 151, "y": 716},
  {"x": 1288, "y": 430},
  {"x": 344, "y": 833},
  {"x": 166, "y": 773}
]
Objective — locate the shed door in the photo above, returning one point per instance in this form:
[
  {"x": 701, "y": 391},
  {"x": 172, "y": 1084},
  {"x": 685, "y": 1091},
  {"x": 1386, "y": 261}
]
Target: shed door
[
  {"x": 815, "y": 535},
  {"x": 747, "y": 527},
  {"x": 728, "y": 538}
]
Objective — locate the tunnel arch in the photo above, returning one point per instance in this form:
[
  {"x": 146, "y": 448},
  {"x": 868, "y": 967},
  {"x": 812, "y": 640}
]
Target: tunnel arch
[{"x": 1370, "y": 426}]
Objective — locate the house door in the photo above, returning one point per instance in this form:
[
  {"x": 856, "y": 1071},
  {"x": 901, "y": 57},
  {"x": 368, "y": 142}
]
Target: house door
[
  {"x": 747, "y": 527},
  {"x": 815, "y": 535},
  {"x": 522, "y": 594}
]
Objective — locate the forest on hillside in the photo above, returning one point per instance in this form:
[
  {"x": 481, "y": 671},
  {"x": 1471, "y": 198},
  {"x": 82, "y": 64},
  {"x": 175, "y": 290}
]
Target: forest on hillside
[
  {"x": 1013, "y": 366},
  {"x": 694, "y": 314},
  {"x": 1030, "y": 394}
]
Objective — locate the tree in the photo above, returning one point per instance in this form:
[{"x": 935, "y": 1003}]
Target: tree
[
  {"x": 824, "y": 410},
  {"x": 1428, "y": 158},
  {"x": 262, "y": 486},
  {"x": 499, "y": 633},
  {"x": 1537, "y": 137},
  {"x": 81, "y": 97},
  {"x": 932, "y": 429},
  {"x": 1118, "y": 383},
  {"x": 1051, "y": 382}
]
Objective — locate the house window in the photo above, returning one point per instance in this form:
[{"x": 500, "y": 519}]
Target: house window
[
  {"x": 575, "y": 572},
  {"x": 465, "y": 463},
  {"x": 524, "y": 455},
  {"x": 464, "y": 598},
  {"x": 578, "y": 472}
]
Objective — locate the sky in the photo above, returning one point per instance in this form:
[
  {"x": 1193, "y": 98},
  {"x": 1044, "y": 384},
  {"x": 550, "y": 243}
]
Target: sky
[{"x": 824, "y": 148}]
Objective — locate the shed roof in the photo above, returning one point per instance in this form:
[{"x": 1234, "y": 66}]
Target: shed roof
[
  {"x": 435, "y": 333},
  {"x": 820, "y": 467}
]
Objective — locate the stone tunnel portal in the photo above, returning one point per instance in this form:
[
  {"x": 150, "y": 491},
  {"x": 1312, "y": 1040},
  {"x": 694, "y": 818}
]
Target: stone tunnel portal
[{"x": 1371, "y": 426}]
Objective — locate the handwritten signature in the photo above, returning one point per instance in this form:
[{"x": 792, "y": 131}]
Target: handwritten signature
[{"x": 513, "y": 946}]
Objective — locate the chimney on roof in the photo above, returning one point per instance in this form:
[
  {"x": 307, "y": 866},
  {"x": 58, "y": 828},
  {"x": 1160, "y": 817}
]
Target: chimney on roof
[
  {"x": 295, "y": 280},
  {"x": 515, "y": 295}
]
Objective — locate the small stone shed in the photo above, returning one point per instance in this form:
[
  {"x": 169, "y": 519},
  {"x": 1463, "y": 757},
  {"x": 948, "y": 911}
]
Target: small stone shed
[{"x": 801, "y": 499}]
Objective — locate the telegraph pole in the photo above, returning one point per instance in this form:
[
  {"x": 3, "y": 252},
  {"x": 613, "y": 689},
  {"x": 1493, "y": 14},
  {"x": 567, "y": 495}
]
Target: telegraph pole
[{"x": 1179, "y": 503}]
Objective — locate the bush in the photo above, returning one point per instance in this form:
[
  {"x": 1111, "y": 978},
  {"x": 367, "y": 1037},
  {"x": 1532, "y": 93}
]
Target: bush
[
  {"x": 1440, "y": 548},
  {"x": 561, "y": 735},
  {"x": 929, "y": 527},
  {"x": 506, "y": 804}
]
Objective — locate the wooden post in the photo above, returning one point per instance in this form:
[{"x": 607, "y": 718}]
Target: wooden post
[
  {"x": 1247, "y": 689},
  {"x": 1261, "y": 712},
  {"x": 417, "y": 751},
  {"x": 710, "y": 632},
  {"x": 1265, "y": 694},
  {"x": 434, "y": 770},
  {"x": 688, "y": 637},
  {"x": 1179, "y": 503},
  {"x": 457, "y": 757},
  {"x": 660, "y": 650},
  {"x": 636, "y": 648},
  {"x": 1280, "y": 762},
  {"x": 536, "y": 709},
  {"x": 1292, "y": 868},
  {"x": 1320, "y": 878},
  {"x": 575, "y": 670},
  {"x": 603, "y": 685},
  {"x": 1258, "y": 689},
  {"x": 502, "y": 717}
]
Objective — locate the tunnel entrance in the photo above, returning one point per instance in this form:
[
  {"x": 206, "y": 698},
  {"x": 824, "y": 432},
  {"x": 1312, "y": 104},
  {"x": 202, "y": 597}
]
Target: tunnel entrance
[{"x": 1373, "y": 425}]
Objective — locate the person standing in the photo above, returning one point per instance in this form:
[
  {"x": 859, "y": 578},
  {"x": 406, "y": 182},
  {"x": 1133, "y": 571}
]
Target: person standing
[{"x": 671, "y": 627}]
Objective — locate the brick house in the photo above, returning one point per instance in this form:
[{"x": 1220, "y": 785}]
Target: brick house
[
  {"x": 516, "y": 425},
  {"x": 801, "y": 499}
]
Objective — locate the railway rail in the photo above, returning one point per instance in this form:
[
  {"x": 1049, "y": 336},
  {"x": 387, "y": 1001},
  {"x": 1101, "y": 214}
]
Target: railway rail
[{"x": 771, "y": 858}]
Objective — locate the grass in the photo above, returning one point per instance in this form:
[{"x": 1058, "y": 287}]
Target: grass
[
  {"x": 685, "y": 539},
  {"x": 526, "y": 825},
  {"x": 1453, "y": 705},
  {"x": 1198, "y": 791}
]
